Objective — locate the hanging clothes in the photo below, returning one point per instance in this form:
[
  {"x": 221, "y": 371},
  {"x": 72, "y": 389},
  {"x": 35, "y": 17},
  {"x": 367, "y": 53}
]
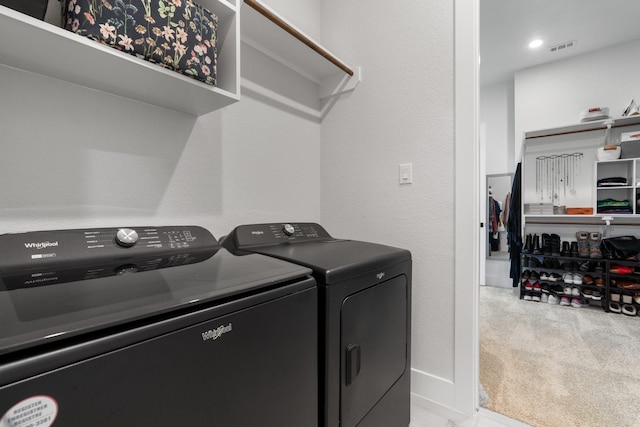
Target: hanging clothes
[
  {"x": 514, "y": 228},
  {"x": 495, "y": 222}
]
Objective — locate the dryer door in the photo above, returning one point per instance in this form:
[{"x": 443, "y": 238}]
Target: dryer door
[{"x": 374, "y": 346}]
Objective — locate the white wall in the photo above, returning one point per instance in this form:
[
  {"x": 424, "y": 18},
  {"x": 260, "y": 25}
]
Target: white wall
[
  {"x": 496, "y": 113},
  {"x": 72, "y": 157},
  {"x": 402, "y": 112},
  {"x": 555, "y": 94}
]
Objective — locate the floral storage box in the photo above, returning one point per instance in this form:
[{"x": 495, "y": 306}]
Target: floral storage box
[{"x": 176, "y": 34}]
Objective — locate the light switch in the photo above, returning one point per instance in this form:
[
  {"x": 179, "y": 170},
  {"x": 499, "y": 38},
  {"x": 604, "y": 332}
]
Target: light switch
[{"x": 406, "y": 175}]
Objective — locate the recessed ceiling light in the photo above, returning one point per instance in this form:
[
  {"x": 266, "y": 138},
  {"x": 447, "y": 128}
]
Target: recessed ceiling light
[{"x": 536, "y": 43}]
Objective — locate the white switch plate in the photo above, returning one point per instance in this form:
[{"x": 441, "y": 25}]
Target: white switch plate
[{"x": 406, "y": 174}]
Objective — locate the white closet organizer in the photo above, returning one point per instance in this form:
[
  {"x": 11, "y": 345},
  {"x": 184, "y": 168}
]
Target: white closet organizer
[
  {"x": 32, "y": 45},
  {"x": 582, "y": 138},
  {"x": 622, "y": 168},
  {"x": 607, "y": 288}
]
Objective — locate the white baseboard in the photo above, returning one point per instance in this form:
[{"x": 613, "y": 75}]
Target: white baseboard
[{"x": 432, "y": 388}]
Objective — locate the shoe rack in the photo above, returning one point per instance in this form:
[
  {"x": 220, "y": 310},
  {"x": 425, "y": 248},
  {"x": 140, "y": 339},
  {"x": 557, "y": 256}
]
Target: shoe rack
[
  {"x": 562, "y": 183},
  {"x": 576, "y": 274}
]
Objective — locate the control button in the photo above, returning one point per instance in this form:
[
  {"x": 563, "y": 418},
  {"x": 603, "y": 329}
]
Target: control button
[
  {"x": 288, "y": 229},
  {"x": 126, "y": 237}
]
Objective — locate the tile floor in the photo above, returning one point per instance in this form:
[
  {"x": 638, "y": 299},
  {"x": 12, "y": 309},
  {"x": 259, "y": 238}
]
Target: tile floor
[{"x": 427, "y": 414}]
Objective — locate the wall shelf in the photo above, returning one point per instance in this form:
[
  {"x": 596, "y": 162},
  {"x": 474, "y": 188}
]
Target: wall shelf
[
  {"x": 583, "y": 127},
  {"x": 265, "y": 30},
  {"x": 39, "y": 47}
]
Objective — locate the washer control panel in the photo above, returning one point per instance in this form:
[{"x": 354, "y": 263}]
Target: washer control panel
[
  {"x": 26, "y": 251},
  {"x": 275, "y": 233}
]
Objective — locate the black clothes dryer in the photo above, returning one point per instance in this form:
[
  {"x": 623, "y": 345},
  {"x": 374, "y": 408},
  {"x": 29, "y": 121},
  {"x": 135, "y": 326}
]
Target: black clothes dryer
[
  {"x": 153, "y": 326},
  {"x": 364, "y": 318}
]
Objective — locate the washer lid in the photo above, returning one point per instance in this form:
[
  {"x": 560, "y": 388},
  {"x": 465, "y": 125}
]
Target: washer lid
[{"x": 56, "y": 302}]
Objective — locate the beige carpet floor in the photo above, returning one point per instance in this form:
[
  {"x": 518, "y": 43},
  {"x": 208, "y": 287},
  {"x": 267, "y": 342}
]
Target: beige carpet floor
[{"x": 555, "y": 366}]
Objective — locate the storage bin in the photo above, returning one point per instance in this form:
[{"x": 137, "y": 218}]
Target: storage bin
[
  {"x": 35, "y": 8},
  {"x": 177, "y": 34},
  {"x": 629, "y": 149}
]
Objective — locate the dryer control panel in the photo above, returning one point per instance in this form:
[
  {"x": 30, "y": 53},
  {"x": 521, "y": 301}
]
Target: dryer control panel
[
  {"x": 251, "y": 235},
  {"x": 27, "y": 251}
]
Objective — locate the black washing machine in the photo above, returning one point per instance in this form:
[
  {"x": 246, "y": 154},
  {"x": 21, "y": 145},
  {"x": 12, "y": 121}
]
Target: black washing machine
[
  {"x": 364, "y": 319},
  {"x": 153, "y": 326}
]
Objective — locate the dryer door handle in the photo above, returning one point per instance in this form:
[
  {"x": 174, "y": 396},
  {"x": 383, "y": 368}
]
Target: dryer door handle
[{"x": 353, "y": 362}]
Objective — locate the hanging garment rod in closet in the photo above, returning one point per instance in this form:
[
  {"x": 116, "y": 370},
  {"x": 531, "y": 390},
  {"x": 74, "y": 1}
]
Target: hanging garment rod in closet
[
  {"x": 258, "y": 7},
  {"x": 585, "y": 222}
]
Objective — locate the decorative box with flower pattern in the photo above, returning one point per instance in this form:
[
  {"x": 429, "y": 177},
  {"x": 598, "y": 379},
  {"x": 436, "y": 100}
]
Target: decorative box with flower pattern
[{"x": 176, "y": 34}]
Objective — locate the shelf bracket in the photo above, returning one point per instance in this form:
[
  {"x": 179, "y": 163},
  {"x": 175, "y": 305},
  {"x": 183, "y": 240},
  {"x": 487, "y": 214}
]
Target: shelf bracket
[
  {"x": 607, "y": 223},
  {"x": 340, "y": 83}
]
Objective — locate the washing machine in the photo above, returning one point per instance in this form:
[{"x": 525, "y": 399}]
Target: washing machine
[
  {"x": 364, "y": 334},
  {"x": 153, "y": 326}
]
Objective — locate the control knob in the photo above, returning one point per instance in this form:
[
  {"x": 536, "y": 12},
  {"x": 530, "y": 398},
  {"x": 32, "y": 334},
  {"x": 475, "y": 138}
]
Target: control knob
[
  {"x": 126, "y": 237},
  {"x": 288, "y": 229}
]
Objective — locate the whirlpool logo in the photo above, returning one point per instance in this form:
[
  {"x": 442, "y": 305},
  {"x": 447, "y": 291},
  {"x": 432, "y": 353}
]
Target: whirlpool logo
[
  {"x": 41, "y": 245},
  {"x": 214, "y": 334}
]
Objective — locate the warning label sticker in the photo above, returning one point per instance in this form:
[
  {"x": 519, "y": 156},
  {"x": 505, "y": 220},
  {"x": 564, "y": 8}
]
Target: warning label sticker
[{"x": 36, "y": 411}]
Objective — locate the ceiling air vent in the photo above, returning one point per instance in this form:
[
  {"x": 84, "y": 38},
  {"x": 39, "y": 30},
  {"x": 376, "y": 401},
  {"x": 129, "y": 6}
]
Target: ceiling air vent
[{"x": 562, "y": 46}]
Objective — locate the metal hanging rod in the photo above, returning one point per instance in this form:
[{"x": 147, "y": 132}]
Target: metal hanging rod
[
  {"x": 560, "y": 156},
  {"x": 267, "y": 13}
]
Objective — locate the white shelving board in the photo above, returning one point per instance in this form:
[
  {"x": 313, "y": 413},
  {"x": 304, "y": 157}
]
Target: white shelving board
[
  {"x": 39, "y": 47},
  {"x": 582, "y": 127}
]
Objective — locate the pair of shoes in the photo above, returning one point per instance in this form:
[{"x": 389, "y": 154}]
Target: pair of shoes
[
  {"x": 556, "y": 288},
  {"x": 583, "y": 244},
  {"x": 574, "y": 249},
  {"x": 592, "y": 294},
  {"x": 621, "y": 269},
  {"x": 569, "y": 266},
  {"x": 572, "y": 278},
  {"x": 629, "y": 310},
  {"x": 614, "y": 307},
  {"x": 569, "y": 291},
  {"x": 554, "y": 277},
  {"x": 531, "y": 296},
  {"x": 594, "y": 245},
  {"x": 578, "y": 302}
]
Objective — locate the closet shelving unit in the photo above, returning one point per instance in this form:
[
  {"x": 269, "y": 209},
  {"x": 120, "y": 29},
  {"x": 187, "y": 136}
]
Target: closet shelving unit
[
  {"x": 272, "y": 34},
  {"x": 39, "y": 47},
  {"x": 569, "y": 138}
]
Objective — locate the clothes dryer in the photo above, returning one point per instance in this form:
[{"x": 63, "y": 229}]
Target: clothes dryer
[{"x": 364, "y": 318}]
